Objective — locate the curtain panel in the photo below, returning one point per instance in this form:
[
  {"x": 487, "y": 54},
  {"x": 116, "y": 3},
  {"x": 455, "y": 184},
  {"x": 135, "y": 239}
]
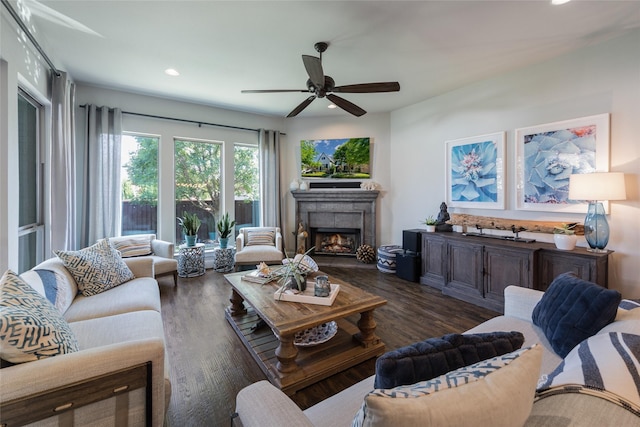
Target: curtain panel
[
  {"x": 270, "y": 195},
  {"x": 101, "y": 207},
  {"x": 62, "y": 204}
]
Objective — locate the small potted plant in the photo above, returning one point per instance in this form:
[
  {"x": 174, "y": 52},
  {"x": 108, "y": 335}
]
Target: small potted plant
[
  {"x": 430, "y": 222},
  {"x": 293, "y": 274},
  {"x": 190, "y": 224},
  {"x": 564, "y": 236},
  {"x": 225, "y": 226}
]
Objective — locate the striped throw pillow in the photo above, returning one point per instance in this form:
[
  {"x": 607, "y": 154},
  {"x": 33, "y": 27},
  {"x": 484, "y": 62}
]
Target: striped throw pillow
[
  {"x": 30, "y": 327},
  {"x": 261, "y": 237},
  {"x": 132, "y": 246}
]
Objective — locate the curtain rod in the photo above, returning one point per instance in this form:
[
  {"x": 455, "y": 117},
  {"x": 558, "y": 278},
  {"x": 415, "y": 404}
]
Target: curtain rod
[
  {"x": 196, "y": 122},
  {"x": 24, "y": 28}
]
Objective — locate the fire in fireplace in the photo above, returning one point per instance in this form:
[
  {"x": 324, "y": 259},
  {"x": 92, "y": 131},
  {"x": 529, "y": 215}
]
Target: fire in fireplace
[{"x": 335, "y": 241}]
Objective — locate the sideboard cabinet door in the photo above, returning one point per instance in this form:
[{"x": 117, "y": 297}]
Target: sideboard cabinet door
[
  {"x": 506, "y": 266},
  {"x": 464, "y": 275},
  {"x": 434, "y": 249},
  {"x": 586, "y": 265}
]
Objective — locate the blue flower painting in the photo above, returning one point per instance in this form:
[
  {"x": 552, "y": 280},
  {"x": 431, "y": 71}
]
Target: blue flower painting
[
  {"x": 551, "y": 157},
  {"x": 474, "y": 172}
]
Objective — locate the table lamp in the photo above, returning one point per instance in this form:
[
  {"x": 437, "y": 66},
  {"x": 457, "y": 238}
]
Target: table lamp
[{"x": 594, "y": 188}]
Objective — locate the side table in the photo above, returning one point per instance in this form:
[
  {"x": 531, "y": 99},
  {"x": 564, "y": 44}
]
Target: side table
[
  {"x": 223, "y": 259},
  {"x": 191, "y": 260}
]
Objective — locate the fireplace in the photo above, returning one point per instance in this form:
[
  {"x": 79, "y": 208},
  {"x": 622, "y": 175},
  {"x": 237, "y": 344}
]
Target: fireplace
[
  {"x": 338, "y": 220},
  {"x": 335, "y": 241}
]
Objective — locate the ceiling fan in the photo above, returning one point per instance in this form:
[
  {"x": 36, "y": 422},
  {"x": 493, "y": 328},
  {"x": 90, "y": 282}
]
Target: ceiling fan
[{"x": 320, "y": 85}]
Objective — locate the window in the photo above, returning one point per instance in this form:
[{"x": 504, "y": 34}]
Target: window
[
  {"x": 198, "y": 175},
  {"x": 246, "y": 168},
  {"x": 30, "y": 182},
  {"x": 139, "y": 179}
]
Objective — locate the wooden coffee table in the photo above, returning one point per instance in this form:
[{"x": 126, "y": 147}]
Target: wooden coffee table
[{"x": 290, "y": 367}]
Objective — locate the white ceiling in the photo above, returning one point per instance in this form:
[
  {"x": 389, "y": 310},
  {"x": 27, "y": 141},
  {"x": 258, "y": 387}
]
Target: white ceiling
[{"x": 222, "y": 47}]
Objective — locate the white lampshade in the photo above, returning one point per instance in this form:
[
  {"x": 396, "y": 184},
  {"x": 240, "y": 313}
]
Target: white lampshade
[{"x": 597, "y": 186}]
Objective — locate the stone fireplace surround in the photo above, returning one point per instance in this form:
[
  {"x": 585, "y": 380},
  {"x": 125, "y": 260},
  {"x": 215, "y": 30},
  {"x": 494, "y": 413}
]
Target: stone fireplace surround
[{"x": 337, "y": 209}]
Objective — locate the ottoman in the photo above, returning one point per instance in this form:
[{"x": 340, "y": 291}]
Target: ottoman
[{"x": 387, "y": 258}]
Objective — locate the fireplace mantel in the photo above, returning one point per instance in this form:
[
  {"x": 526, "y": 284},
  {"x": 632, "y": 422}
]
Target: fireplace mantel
[{"x": 344, "y": 208}]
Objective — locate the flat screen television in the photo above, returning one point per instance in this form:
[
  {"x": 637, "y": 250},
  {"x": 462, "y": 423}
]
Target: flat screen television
[{"x": 346, "y": 158}]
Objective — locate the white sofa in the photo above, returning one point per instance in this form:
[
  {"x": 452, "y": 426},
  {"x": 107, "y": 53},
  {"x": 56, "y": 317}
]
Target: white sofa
[
  {"x": 119, "y": 374},
  {"x": 262, "y": 404}
]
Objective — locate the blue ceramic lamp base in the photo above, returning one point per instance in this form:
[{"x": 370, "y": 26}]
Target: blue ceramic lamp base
[{"x": 596, "y": 228}]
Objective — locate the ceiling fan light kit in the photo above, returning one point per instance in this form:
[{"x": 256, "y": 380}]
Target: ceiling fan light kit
[{"x": 321, "y": 86}]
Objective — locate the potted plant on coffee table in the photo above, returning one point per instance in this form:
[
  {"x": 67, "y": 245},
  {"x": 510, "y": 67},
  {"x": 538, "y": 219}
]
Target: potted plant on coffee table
[
  {"x": 190, "y": 224},
  {"x": 225, "y": 226},
  {"x": 564, "y": 236}
]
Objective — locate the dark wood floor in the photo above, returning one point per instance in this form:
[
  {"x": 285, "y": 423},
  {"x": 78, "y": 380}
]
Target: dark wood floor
[{"x": 209, "y": 364}]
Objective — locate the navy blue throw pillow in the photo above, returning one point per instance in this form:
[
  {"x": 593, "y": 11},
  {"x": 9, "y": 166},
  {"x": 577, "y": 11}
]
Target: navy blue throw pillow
[
  {"x": 571, "y": 310},
  {"x": 433, "y": 357}
]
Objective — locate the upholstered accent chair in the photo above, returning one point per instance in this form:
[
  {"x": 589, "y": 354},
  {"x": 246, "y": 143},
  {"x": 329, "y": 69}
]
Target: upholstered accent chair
[
  {"x": 146, "y": 245},
  {"x": 259, "y": 244}
]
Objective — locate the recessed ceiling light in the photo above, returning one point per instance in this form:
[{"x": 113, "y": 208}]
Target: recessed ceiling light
[
  {"x": 331, "y": 106},
  {"x": 559, "y": 2},
  {"x": 171, "y": 72}
]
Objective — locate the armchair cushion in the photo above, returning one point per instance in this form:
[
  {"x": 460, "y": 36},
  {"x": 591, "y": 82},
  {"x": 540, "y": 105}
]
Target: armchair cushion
[
  {"x": 430, "y": 358},
  {"x": 30, "y": 326},
  {"x": 572, "y": 310},
  {"x": 130, "y": 246},
  {"x": 261, "y": 237},
  {"x": 96, "y": 268}
]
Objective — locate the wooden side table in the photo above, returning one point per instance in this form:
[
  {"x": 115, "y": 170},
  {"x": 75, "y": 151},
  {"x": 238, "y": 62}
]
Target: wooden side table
[
  {"x": 223, "y": 259},
  {"x": 191, "y": 260}
]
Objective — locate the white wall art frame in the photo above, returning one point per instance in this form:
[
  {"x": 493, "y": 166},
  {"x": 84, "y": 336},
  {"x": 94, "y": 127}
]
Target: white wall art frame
[
  {"x": 547, "y": 154},
  {"x": 475, "y": 170}
]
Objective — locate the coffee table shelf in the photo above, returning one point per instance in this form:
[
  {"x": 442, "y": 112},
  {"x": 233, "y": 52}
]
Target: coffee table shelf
[{"x": 292, "y": 368}]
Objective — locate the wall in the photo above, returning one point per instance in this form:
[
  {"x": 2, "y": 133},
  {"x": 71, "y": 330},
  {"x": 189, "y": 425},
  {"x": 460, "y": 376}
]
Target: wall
[
  {"x": 375, "y": 126},
  {"x": 594, "y": 80},
  {"x": 18, "y": 67},
  {"x": 167, "y": 130}
]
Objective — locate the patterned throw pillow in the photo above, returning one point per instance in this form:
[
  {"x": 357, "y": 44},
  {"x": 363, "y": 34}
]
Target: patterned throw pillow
[
  {"x": 50, "y": 285},
  {"x": 30, "y": 327},
  {"x": 96, "y": 268},
  {"x": 261, "y": 237},
  {"x": 133, "y": 246},
  {"x": 496, "y": 392}
]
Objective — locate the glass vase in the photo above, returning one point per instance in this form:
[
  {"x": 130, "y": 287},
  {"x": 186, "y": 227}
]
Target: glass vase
[{"x": 596, "y": 227}]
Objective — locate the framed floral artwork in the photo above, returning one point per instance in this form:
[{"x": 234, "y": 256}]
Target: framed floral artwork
[
  {"x": 475, "y": 172},
  {"x": 546, "y": 155}
]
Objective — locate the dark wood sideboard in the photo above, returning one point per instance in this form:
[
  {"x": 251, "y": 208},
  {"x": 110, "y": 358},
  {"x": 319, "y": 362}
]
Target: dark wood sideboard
[{"x": 477, "y": 269}]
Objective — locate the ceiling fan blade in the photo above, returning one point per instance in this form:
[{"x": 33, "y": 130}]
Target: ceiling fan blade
[
  {"x": 347, "y": 106},
  {"x": 274, "y": 90},
  {"x": 304, "y": 104},
  {"x": 369, "y": 87},
  {"x": 313, "y": 66}
]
